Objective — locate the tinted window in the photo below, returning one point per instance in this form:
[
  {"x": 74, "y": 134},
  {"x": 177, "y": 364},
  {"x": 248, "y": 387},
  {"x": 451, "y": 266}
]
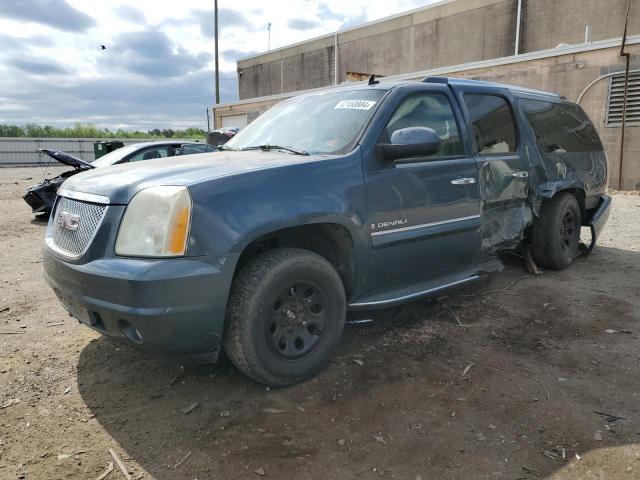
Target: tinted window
[
  {"x": 493, "y": 126},
  {"x": 188, "y": 149},
  {"x": 431, "y": 111},
  {"x": 561, "y": 127},
  {"x": 151, "y": 153}
]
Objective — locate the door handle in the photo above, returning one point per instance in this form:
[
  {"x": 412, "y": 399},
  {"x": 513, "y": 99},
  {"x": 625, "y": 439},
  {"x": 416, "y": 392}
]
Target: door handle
[
  {"x": 520, "y": 175},
  {"x": 463, "y": 181}
]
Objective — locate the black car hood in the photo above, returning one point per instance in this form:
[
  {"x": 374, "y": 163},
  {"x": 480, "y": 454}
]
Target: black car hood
[{"x": 66, "y": 159}]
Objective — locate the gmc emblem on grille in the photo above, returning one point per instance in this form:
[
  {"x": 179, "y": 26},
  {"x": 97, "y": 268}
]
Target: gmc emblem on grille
[{"x": 68, "y": 220}]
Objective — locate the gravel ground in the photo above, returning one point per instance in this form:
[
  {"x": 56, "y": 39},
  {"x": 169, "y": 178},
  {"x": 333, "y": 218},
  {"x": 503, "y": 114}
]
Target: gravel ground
[{"x": 410, "y": 395}]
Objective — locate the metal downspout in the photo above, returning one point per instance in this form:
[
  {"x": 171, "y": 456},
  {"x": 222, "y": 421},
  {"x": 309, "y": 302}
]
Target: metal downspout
[
  {"x": 624, "y": 96},
  {"x": 518, "y": 24},
  {"x": 335, "y": 59}
]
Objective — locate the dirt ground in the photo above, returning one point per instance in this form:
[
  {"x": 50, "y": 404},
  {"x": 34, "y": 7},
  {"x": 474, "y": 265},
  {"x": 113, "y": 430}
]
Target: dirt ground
[{"x": 410, "y": 395}]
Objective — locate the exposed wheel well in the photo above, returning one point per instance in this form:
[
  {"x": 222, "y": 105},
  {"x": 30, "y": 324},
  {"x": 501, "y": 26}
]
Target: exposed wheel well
[
  {"x": 329, "y": 240},
  {"x": 580, "y": 197}
]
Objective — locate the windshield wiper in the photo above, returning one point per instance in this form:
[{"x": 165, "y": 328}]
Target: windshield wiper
[
  {"x": 225, "y": 147},
  {"x": 267, "y": 147}
]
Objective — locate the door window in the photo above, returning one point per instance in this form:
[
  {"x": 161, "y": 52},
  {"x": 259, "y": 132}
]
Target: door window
[
  {"x": 492, "y": 122},
  {"x": 431, "y": 110},
  {"x": 189, "y": 148},
  {"x": 561, "y": 127},
  {"x": 151, "y": 153}
]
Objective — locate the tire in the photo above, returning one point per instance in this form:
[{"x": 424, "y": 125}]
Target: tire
[
  {"x": 556, "y": 233},
  {"x": 285, "y": 316}
]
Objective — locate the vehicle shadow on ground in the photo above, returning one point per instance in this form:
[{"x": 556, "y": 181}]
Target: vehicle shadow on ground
[{"x": 410, "y": 393}]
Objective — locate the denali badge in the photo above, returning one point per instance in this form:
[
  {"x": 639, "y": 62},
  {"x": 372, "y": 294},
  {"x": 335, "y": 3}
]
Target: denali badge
[
  {"x": 390, "y": 223},
  {"x": 68, "y": 220}
]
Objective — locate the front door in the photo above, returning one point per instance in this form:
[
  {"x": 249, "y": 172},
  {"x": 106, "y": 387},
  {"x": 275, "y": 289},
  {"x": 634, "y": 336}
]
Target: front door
[{"x": 423, "y": 212}]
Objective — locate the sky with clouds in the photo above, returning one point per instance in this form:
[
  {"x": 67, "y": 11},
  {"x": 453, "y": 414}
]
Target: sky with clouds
[{"x": 157, "y": 68}]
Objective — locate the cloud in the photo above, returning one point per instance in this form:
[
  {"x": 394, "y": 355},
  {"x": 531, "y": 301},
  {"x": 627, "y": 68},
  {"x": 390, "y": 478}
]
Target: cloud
[
  {"x": 157, "y": 68},
  {"x": 354, "y": 21},
  {"x": 117, "y": 101},
  {"x": 327, "y": 14},
  {"x": 38, "y": 66},
  {"x": 302, "y": 24},
  {"x": 130, "y": 13},
  {"x": 9, "y": 42},
  {"x": 150, "y": 53},
  {"x": 57, "y": 14},
  {"x": 233, "y": 54},
  {"x": 226, "y": 18}
]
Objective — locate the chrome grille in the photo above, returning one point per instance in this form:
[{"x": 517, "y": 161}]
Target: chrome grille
[{"x": 74, "y": 241}]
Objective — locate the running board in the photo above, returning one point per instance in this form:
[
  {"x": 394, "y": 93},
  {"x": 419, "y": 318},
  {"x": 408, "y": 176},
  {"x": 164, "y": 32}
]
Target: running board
[{"x": 387, "y": 297}]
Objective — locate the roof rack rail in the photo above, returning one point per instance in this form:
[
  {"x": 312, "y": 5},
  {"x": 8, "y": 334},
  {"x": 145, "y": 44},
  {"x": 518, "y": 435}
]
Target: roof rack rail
[{"x": 435, "y": 80}]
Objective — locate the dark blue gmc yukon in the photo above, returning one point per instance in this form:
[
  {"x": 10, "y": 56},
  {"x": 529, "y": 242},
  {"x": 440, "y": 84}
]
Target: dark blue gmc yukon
[{"x": 355, "y": 197}]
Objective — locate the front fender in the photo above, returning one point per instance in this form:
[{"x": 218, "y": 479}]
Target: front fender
[{"x": 231, "y": 212}]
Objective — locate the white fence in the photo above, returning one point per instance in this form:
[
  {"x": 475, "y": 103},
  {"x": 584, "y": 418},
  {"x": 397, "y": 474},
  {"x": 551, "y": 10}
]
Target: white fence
[{"x": 21, "y": 151}]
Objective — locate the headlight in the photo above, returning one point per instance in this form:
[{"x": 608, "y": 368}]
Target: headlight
[{"x": 156, "y": 223}]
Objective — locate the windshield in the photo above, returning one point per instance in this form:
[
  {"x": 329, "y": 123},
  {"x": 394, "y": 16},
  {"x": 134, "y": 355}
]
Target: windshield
[
  {"x": 316, "y": 123},
  {"x": 115, "y": 156}
]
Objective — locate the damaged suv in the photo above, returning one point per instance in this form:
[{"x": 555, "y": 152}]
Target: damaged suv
[{"x": 355, "y": 197}]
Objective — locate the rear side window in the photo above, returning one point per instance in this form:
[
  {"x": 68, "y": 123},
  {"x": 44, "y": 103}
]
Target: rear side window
[
  {"x": 561, "y": 127},
  {"x": 492, "y": 122},
  {"x": 151, "y": 153}
]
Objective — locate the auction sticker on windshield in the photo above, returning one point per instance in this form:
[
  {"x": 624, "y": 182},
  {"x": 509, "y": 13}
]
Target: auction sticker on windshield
[{"x": 355, "y": 104}]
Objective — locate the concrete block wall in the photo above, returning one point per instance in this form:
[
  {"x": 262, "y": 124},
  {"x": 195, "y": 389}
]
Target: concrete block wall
[
  {"x": 449, "y": 33},
  {"x": 547, "y": 23}
]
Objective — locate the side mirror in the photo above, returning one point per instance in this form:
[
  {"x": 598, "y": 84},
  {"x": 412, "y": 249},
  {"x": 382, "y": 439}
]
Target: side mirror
[{"x": 411, "y": 142}]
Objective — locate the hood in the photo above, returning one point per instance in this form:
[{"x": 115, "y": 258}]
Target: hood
[
  {"x": 66, "y": 159},
  {"x": 121, "y": 182}
]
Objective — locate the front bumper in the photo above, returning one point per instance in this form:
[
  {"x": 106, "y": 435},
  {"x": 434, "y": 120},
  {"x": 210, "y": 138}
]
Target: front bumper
[
  {"x": 170, "y": 306},
  {"x": 598, "y": 219},
  {"x": 40, "y": 198}
]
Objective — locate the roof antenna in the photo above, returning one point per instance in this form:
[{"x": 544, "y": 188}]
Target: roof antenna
[{"x": 372, "y": 80}]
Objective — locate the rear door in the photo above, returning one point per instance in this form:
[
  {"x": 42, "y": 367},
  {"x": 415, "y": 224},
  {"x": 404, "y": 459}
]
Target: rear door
[
  {"x": 503, "y": 165},
  {"x": 423, "y": 212}
]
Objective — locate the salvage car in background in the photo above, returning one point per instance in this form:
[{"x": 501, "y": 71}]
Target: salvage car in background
[
  {"x": 40, "y": 197},
  {"x": 356, "y": 197}
]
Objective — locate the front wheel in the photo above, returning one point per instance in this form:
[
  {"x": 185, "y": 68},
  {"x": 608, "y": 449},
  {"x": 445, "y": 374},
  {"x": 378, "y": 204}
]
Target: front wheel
[
  {"x": 556, "y": 234},
  {"x": 285, "y": 316}
]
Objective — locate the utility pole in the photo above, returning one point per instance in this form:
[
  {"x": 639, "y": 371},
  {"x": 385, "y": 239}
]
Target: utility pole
[
  {"x": 268, "y": 36},
  {"x": 215, "y": 21}
]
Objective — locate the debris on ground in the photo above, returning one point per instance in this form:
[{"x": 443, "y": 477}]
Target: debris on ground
[
  {"x": 466, "y": 369},
  {"x": 380, "y": 438},
  {"x": 120, "y": 464},
  {"x": 358, "y": 362},
  {"x": 610, "y": 418},
  {"x": 182, "y": 460},
  {"x": 259, "y": 471},
  {"x": 104, "y": 474},
  {"x": 189, "y": 408},
  {"x": 274, "y": 411},
  {"x": 8, "y": 403}
]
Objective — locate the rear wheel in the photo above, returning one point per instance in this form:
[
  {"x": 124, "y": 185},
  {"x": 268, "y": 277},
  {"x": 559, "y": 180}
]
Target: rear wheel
[
  {"x": 556, "y": 234},
  {"x": 285, "y": 316}
]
